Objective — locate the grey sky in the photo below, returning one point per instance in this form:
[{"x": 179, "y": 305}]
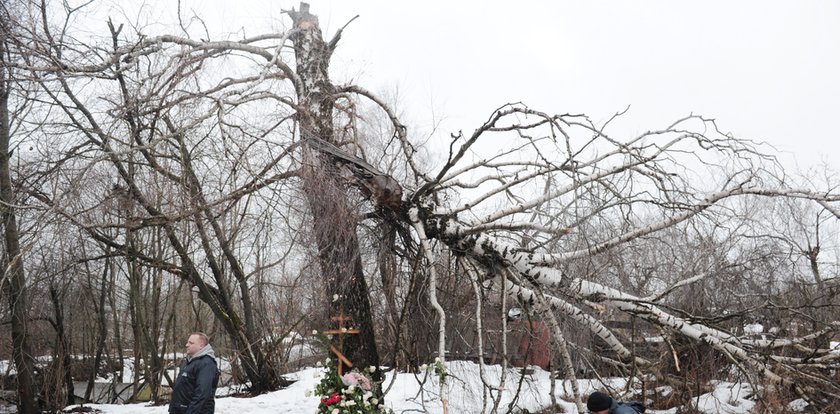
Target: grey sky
[{"x": 766, "y": 70}]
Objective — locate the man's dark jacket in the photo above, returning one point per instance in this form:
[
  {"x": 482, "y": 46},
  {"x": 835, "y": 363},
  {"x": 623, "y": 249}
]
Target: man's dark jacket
[
  {"x": 618, "y": 407},
  {"x": 195, "y": 387}
]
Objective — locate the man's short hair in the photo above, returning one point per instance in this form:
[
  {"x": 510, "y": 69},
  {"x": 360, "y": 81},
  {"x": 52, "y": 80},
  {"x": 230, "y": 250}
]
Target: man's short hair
[{"x": 202, "y": 336}]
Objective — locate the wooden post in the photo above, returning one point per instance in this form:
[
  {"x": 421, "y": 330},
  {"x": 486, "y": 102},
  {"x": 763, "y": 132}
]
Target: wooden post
[{"x": 341, "y": 331}]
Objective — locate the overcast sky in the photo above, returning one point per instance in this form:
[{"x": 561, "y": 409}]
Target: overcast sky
[{"x": 766, "y": 70}]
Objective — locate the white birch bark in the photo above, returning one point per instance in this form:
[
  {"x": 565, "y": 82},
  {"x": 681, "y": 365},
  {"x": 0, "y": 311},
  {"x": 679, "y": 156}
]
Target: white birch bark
[{"x": 430, "y": 258}]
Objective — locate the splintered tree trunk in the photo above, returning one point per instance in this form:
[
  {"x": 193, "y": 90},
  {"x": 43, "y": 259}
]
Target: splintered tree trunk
[
  {"x": 333, "y": 214},
  {"x": 14, "y": 279}
]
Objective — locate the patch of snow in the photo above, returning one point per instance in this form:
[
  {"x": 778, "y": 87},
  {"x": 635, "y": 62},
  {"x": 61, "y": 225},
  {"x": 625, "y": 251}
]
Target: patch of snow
[
  {"x": 797, "y": 405},
  {"x": 753, "y": 328},
  {"x": 727, "y": 398},
  {"x": 665, "y": 390},
  {"x": 6, "y": 367}
]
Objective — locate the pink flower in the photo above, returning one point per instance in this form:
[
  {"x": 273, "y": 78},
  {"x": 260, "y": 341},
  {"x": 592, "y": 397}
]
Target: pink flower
[{"x": 356, "y": 378}]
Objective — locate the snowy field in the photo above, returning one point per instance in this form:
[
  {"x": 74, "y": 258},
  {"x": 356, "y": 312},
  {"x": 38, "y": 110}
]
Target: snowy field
[{"x": 408, "y": 393}]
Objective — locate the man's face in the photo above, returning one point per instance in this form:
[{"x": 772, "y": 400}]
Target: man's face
[{"x": 194, "y": 344}]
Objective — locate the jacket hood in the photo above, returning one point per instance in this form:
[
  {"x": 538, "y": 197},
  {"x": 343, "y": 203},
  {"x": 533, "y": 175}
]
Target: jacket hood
[{"x": 207, "y": 350}]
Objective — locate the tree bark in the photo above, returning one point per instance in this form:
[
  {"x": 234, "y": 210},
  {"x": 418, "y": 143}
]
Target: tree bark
[
  {"x": 14, "y": 277},
  {"x": 63, "y": 361},
  {"x": 333, "y": 216},
  {"x": 102, "y": 326}
]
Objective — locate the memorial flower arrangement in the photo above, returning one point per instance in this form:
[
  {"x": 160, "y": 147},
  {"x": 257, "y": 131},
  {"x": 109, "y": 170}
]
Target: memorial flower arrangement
[{"x": 352, "y": 393}]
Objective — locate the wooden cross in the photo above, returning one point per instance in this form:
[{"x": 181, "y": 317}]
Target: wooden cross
[{"x": 341, "y": 331}]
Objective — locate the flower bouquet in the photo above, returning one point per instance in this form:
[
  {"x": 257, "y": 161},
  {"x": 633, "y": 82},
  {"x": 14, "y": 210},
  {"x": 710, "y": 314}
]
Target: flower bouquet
[{"x": 352, "y": 393}]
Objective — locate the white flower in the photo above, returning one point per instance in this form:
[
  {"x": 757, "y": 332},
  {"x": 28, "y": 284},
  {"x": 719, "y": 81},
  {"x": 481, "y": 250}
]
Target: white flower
[
  {"x": 335, "y": 297},
  {"x": 335, "y": 411},
  {"x": 437, "y": 360},
  {"x": 343, "y": 330},
  {"x": 314, "y": 332},
  {"x": 374, "y": 400},
  {"x": 367, "y": 395},
  {"x": 350, "y": 403},
  {"x": 372, "y": 369}
]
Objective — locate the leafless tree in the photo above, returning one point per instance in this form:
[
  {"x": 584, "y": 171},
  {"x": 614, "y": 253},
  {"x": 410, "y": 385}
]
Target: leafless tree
[
  {"x": 14, "y": 274},
  {"x": 207, "y": 143}
]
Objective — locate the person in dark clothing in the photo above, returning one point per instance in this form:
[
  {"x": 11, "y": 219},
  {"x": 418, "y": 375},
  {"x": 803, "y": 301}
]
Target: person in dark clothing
[
  {"x": 600, "y": 403},
  {"x": 198, "y": 377}
]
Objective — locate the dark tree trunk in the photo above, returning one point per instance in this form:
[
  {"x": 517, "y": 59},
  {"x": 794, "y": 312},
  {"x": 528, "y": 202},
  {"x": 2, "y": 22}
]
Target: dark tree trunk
[
  {"x": 137, "y": 322},
  {"x": 14, "y": 282},
  {"x": 102, "y": 326},
  {"x": 153, "y": 336},
  {"x": 102, "y": 329},
  {"x": 112, "y": 301},
  {"x": 63, "y": 361},
  {"x": 333, "y": 214}
]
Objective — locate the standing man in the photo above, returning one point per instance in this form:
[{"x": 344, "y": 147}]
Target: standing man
[{"x": 196, "y": 384}]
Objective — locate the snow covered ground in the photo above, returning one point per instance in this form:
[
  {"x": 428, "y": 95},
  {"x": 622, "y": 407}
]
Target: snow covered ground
[{"x": 409, "y": 393}]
